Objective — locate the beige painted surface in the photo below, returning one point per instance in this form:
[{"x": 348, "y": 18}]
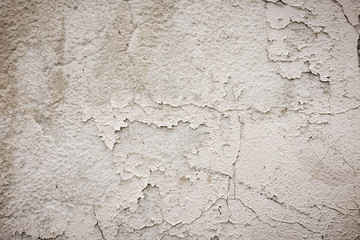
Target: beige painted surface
[{"x": 182, "y": 119}]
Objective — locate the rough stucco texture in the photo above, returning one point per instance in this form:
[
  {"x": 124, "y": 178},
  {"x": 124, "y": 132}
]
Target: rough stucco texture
[{"x": 179, "y": 119}]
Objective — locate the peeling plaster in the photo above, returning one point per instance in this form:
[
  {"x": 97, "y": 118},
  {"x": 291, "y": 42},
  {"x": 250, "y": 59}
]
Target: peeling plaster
[{"x": 166, "y": 119}]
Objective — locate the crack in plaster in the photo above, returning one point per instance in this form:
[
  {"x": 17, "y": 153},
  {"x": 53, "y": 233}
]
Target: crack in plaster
[{"x": 144, "y": 115}]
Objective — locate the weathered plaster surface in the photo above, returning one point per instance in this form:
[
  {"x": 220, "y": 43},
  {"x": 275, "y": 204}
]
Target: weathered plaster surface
[{"x": 180, "y": 119}]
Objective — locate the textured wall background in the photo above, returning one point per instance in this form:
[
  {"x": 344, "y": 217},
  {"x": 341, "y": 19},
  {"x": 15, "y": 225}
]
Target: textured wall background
[{"x": 180, "y": 119}]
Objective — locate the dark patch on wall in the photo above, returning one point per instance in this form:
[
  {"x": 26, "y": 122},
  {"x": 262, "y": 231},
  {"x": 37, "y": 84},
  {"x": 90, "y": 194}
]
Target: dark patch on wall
[
  {"x": 16, "y": 18},
  {"x": 358, "y": 45},
  {"x": 358, "y": 49}
]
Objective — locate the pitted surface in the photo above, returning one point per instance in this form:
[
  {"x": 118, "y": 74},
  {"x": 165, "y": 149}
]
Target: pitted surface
[{"x": 155, "y": 119}]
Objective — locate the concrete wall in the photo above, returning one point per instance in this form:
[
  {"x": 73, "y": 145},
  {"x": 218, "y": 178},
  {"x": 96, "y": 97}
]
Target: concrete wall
[{"x": 185, "y": 119}]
